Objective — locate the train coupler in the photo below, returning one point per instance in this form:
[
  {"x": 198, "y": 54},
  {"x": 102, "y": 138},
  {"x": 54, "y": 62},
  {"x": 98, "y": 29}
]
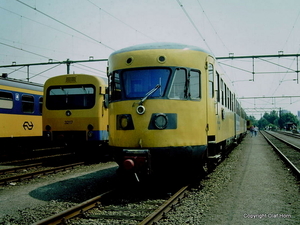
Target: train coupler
[{"x": 137, "y": 161}]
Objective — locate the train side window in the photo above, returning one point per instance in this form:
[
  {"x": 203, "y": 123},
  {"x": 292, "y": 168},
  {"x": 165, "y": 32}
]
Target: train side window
[
  {"x": 222, "y": 91},
  {"x": 178, "y": 89},
  {"x": 27, "y": 103},
  {"x": 230, "y": 100},
  {"x": 6, "y": 100},
  {"x": 211, "y": 80},
  {"x": 233, "y": 103},
  {"x": 41, "y": 99},
  {"x": 218, "y": 87},
  {"x": 225, "y": 95},
  {"x": 227, "y": 98},
  {"x": 195, "y": 84}
]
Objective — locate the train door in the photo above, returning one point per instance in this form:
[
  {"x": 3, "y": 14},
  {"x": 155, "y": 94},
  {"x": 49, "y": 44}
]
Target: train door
[
  {"x": 211, "y": 111},
  {"x": 211, "y": 127}
]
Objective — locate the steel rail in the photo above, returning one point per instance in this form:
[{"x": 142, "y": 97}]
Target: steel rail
[
  {"x": 62, "y": 217},
  {"x": 285, "y": 159},
  {"x": 80, "y": 209},
  {"x": 14, "y": 169},
  {"x": 34, "y": 174},
  {"x": 295, "y": 135},
  {"x": 165, "y": 207},
  {"x": 284, "y": 141}
]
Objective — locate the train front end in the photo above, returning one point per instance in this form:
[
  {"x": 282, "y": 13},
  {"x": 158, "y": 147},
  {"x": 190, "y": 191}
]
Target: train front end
[
  {"x": 74, "y": 112},
  {"x": 157, "y": 114}
]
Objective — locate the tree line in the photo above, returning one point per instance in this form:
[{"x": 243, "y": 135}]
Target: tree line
[{"x": 275, "y": 120}]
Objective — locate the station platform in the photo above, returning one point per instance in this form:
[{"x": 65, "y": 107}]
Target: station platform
[{"x": 257, "y": 188}]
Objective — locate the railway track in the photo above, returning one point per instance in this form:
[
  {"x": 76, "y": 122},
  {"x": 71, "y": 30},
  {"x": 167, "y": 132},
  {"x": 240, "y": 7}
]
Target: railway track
[
  {"x": 24, "y": 154},
  {"x": 29, "y": 175},
  {"x": 113, "y": 208},
  {"x": 290, "y": 153},
  {"x": 289, "y": 134},
  {"x": 35, "y": 159}
]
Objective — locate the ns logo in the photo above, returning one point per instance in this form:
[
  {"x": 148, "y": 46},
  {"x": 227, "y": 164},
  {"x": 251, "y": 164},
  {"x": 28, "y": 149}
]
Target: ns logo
[{"x": 28, "y": 125}]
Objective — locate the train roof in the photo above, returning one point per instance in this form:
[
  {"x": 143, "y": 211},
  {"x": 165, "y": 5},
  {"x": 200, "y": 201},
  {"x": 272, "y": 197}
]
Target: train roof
[
  {"x": 161, "y": 45},
  {"x": 11, "y": 82},
  {"x": 63, "y": 79}
]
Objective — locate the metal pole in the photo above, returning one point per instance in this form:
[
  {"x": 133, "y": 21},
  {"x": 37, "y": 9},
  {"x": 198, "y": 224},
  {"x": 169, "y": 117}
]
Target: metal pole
[
  {"x": 68, "y": 66},
  {"x": 253, "y": 69},
  {"x": 297, "y": 71}
]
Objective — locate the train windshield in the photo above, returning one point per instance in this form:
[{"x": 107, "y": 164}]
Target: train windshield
[
  {"x": 138, "y": 83},
  {"x": 70, "y": 97}
]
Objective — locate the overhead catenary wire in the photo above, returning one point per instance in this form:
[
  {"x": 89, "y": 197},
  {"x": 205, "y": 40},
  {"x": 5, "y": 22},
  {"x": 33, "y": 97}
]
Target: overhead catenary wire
[
  {"x": 293, "y": 27},
  {"x": 121, "y": 21},
  {"x": 194, "y": 25},
  {"x": 66, "y": 25},
  {"x": 53, "y": 28},
  {"x": 213, "y": 27},
  {"x": 24, "y": 50}
]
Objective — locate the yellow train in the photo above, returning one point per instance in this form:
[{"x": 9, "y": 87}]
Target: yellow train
[
  {"x": 20, "y": 115},
  {"x": 75, "y": 113},
  {"x": 170, "y": 110}
]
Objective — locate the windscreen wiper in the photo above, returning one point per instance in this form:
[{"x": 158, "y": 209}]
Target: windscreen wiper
[{"x": 150, "y": 93}]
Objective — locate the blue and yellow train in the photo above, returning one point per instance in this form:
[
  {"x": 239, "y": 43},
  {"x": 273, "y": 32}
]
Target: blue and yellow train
[
  {"x": 170, "y": 110},
  {"x": 20, "y": 115},
  {"x": 75, "y": 112}
]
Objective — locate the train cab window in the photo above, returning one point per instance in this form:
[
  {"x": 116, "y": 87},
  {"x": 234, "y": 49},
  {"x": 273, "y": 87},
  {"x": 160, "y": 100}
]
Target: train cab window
[
  {"x": 210, "y": 80},
  {"x": 70, "y": 97},
  {"x": 6, "y": 100},
  {"x": 194, "y": 84},
  {"x": 137, "y": 83},
  {"x": 115, "y": 86},
  {"x": 178, "y": 88},
  {"x": 27, "y": 103}
]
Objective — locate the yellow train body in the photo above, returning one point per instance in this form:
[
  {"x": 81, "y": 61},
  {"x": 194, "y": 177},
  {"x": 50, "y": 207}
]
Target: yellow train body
[
  {"x": 13, "y": 126},
  {"x": 20, "y": 109},
  {"x": 142, "y": 137},
  {"x": 169, "y": 104},
  {"x": 74, "y": 109}
]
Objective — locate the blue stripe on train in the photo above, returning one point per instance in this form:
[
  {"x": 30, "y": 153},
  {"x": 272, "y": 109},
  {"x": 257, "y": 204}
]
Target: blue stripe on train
[
  {"x": 99, "y": 135},
  {"x": 18, "y": 104}
]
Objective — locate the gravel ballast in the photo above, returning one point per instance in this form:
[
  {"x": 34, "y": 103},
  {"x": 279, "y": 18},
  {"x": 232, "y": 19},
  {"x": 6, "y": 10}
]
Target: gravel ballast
[
  {"x": 29, "y": 201},
  {"x": 252, "y": 186}
]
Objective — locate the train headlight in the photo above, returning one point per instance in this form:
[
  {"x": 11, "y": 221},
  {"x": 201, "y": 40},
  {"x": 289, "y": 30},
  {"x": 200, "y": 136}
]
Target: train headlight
[
  {"x": 161, "y": 121},
  {"x": 124, "y": 122},
  {"x": 140, "y": 109}
]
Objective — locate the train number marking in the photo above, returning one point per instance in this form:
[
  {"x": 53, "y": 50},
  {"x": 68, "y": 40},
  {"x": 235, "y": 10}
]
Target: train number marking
[
  {"x": 28, "y": 125},
  {"x": 68, "y": 121}
]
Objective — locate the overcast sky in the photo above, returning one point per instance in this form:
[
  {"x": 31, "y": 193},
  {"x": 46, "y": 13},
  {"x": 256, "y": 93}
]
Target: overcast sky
[{"x": 34, "y": 31}]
